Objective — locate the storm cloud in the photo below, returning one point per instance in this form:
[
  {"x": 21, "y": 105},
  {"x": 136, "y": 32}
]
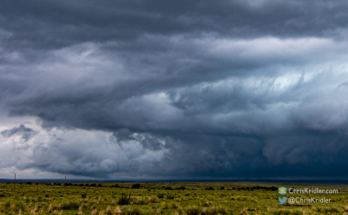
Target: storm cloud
[{"x": 182, "y": 89}]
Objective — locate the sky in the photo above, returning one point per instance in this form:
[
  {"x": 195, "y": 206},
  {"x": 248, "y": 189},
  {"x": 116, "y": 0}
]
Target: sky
[{"x": 153, "y": 89}]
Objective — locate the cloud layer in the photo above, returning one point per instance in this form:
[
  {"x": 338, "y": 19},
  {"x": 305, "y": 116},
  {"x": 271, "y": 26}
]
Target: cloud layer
[{"x": 154, "y": 89}]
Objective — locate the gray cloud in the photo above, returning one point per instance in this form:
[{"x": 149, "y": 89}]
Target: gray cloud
[
  {"x": 39, "y": 22},
  {"x": 249, "y": 89},
  {"x": 21, "y": 130}
]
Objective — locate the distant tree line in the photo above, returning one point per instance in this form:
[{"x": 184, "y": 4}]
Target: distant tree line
[{"x": 139, "y": 186}]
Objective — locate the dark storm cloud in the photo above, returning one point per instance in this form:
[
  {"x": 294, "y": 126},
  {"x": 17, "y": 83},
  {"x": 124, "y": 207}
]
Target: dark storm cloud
[
  {"x": 21, "y": 130},
  {"x": 176, "y": 89},
  {"x": 59, "y": 23}
]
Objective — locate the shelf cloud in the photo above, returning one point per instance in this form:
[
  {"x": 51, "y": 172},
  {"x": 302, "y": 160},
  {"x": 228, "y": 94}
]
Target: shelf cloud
[{"x": 182, "y": 89}]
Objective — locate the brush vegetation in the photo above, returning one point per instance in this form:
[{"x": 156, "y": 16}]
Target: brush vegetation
[{"x": 163, "y": 198}]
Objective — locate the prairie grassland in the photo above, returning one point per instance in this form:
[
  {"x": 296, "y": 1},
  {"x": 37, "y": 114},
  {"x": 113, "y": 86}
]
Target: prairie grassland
[{"x": 164, "y": 198}]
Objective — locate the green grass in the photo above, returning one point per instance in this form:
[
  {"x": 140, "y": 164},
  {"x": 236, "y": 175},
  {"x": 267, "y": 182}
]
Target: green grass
[{"x": 164, "y": 198}]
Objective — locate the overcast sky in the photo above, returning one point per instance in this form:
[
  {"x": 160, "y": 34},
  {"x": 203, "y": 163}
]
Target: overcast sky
[{"x": 174, "y": 89}]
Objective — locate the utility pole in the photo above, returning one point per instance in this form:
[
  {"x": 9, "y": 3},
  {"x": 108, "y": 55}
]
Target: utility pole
[
  {"x": 65, "y": 182},
  {"x": 14, "y": 181}
]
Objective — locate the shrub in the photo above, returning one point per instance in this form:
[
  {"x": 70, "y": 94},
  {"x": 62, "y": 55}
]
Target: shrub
[
  {"x": 170, "y": 196},
  {"x": 124, "y": 200},
  {"x": 193, "y": 211},
  {"x": 140, "y": 202},
  {"x": 160, "y": 195},
  {"x": 222, "y": 210},
  {"x": 209, "y": 188},
  {"x": 7, "y": 204},
  {"x": 83, "y": 195},
  {"x": 181, "y": 188},
  {"x": 136, "y": 186},
  {"x": 134, "y": 211},
  {"x": 151, "y": 200},
  {"x": 70, "y": 205},
  {"x": 20, "y": 206}
]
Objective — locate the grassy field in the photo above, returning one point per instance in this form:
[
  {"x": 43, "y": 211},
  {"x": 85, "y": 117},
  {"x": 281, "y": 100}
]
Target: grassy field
[{"x": 164, "y": 198}]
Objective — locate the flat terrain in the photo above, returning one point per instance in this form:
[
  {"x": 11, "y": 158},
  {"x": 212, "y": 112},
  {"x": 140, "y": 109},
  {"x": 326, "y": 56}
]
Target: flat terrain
[{"x": 165, "y": 198}]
